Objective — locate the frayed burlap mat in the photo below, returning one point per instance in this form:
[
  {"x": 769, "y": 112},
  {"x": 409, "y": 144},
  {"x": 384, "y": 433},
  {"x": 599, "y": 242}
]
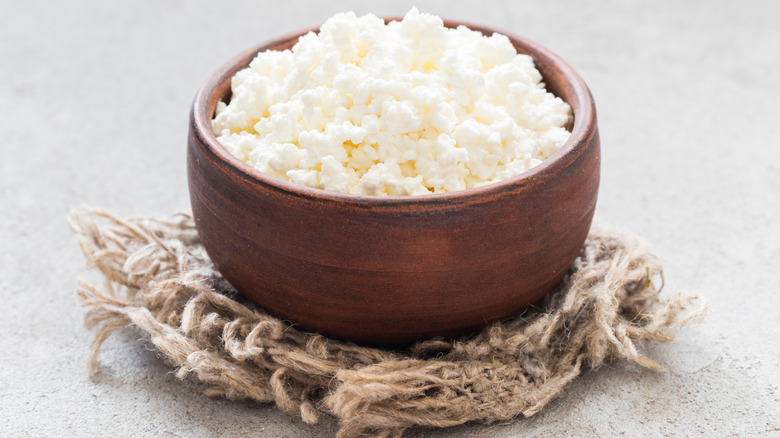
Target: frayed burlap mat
[{"x": 159, "y": 279}]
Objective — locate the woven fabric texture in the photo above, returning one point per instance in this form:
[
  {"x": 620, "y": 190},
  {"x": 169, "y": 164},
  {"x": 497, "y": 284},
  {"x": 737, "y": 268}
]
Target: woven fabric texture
[{"x": 159, "y": 279}]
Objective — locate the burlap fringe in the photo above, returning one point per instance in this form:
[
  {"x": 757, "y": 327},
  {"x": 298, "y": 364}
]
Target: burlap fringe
[{"x": 159, "y": 278}]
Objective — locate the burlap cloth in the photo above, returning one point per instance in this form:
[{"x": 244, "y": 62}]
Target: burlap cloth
[{"x": 159, "y": 278}]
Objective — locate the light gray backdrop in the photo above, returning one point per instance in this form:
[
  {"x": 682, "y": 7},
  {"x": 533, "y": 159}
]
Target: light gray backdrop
[{"x": 94, "y": 99}]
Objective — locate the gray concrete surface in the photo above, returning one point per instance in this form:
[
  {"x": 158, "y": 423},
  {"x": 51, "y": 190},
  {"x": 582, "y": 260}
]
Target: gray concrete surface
[{"x": 94, "y": 98}]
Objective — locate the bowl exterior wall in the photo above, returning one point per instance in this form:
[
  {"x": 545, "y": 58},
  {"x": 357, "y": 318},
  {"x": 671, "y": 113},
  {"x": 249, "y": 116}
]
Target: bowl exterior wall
[{"x": 390, "y": 275}]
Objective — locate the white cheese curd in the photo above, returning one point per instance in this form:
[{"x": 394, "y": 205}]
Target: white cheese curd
[{"x": 407, "y": 108}]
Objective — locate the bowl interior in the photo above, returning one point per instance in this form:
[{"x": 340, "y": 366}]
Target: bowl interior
[{"x": 559, "y": 78}]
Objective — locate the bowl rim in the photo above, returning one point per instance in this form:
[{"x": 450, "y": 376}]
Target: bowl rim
[{"x": 583, "y": 130}]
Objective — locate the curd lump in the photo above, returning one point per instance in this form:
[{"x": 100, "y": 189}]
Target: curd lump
[{"x": 407, "y": 108}]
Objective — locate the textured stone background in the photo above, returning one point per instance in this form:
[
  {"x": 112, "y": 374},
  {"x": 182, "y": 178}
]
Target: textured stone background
[{"x": 94, "y": 104}]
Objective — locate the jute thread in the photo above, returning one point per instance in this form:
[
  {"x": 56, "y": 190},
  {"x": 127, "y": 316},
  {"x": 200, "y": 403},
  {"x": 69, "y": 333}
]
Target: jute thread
[{"x": 159, "y": 278}]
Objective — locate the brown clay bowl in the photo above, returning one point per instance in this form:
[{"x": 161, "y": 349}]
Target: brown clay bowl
[{"x": 391, "y": 270}]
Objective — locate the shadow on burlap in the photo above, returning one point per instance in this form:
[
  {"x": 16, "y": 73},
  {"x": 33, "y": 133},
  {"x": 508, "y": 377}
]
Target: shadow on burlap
[{"x": 159, "y": 278}]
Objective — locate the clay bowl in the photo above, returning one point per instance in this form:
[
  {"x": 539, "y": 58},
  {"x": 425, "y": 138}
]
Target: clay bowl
[{"x": 391, "y": 270}]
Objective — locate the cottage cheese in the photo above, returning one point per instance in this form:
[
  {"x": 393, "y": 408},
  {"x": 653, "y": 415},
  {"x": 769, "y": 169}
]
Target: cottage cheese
[{"x": 407, "y": 108}]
